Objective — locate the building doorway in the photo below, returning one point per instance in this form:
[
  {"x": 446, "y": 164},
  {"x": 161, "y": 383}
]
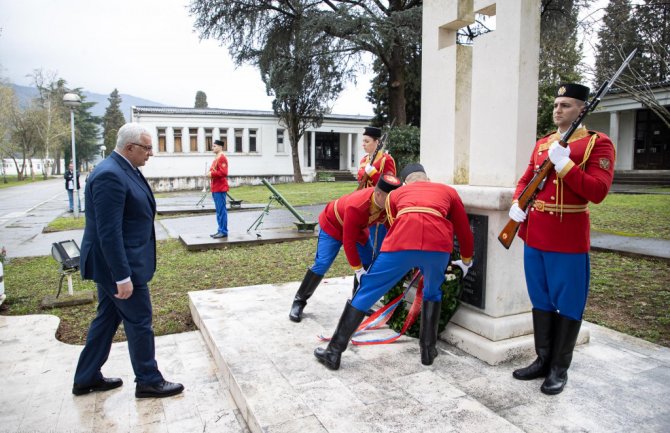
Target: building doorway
[
  {"x": 327, "y": 151},
  {"x": 652, "y": 142}
]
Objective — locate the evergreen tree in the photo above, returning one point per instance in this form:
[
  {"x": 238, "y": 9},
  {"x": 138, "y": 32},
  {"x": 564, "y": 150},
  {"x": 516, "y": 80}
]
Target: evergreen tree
[
  {"x": 617, "y": 37},
  {"x": 652, "y": 24},
  {"x": 560, "y": 55},
  {"x": 200, "y": 99},
  {"x": 86, "y": 132},
  {"x": 112, "y": 121}
]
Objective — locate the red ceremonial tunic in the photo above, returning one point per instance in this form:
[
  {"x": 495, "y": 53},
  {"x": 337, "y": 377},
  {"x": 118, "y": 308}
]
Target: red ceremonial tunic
[
  {"x": 219, "y": 170},
  {"x": 384, "y": 164},
  {"x": 424, "y": 216},
  {"x": 558, "y": 221},
  {"x": 347, "y": 220}
]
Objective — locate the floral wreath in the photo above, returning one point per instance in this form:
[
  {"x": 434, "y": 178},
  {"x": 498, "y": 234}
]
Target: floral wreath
[{"x": 451, "y": 294}]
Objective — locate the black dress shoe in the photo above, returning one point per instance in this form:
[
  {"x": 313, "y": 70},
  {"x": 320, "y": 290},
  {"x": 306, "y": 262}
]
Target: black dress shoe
[
  {"x": 105, "y": 384},
  {"x": 213, "y": 234},
  {"x": 162, "y": 389},
  {"x": 219, "y": 236}
]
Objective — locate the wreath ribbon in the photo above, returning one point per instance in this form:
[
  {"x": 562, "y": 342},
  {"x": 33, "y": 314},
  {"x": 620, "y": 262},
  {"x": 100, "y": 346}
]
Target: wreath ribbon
[{"x": 381, "y": 316}]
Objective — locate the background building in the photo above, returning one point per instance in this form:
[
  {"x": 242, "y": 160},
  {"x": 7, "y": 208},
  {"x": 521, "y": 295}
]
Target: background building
[{"x": 257, "y": 146}]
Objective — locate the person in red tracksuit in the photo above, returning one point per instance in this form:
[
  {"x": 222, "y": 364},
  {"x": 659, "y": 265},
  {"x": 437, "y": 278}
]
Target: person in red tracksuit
[
  {"x": 218, "y": 174},
  {"x": 424, "y": 217},
  {"x": 555, "y": 230},
  {"x": 344, "y": 223}
]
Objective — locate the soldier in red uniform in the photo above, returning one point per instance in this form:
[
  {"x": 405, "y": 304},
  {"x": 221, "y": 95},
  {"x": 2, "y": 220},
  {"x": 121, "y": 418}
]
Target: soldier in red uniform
[
  {"x": 423, "y": 216},
  {"x": 383, "y": 164},
  {"x": 555, "y": 230},
  {"x": 218, "y": 174},
  {"x": 345, "y": 222}
]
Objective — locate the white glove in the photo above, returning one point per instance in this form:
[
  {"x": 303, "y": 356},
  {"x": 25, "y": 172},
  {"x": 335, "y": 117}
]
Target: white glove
[
  {"x": 358, "y": 273},
  {"x": 516, "y": 214},
  {"x": 559, "y": 155},
  {"x": 464, "y": 267},
  {"x": 370, "y": 170}
]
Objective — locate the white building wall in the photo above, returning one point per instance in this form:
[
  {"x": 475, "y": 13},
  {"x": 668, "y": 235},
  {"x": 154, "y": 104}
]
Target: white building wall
[{"x": 172, "y": 170}]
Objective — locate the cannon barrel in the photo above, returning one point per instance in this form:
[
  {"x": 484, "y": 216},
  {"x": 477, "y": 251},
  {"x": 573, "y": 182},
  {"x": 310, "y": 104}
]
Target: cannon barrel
[{"x": 283, "y": 201}]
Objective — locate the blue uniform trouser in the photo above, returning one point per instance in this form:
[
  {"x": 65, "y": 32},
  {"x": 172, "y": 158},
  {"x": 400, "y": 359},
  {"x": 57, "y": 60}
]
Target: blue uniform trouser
[
  {"x": 136, "y": 314},
  {"x": 328, "y": 247},
  {"x": 377, "y": 235},
  {"x": 390, "y": 267},
  {"x": 557, "y": 281},
  {"x": 221, "y": 212}
]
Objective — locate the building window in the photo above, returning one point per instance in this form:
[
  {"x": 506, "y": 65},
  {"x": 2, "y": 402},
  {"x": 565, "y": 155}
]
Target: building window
[
  {"x": 208, "y": 139},
  {"x": 238, "y": 140},
  {"x": 177, "y": 140},
  {"x": 161, "y": 140},
  {"x": 193, "y": 137},
  {"x": 280, "y": 141},
  {"x": 252, "y": 140}
]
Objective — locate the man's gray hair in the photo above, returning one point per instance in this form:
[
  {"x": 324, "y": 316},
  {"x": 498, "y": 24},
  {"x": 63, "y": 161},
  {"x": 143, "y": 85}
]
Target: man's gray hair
[
  {"x": 130, "y": 133},
  {"x": 417, "y": 176}
]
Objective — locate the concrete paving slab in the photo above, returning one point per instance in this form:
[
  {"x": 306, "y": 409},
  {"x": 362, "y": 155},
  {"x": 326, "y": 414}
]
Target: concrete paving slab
[
  {"x": 617, "y": 383},
  {"x": 198, "y": 242},
  {"x": 37, "y": 372},
  {"x": 646, "y": 247}
]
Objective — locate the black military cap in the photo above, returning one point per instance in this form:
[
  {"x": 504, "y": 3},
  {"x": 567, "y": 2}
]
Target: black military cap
[
  {"x": 573, "y": 90},
  {"x": 219, "y": 143},
  {"x": 388, "y": 183},
  {"x": 372, "y": 131},
  {"x": 411, "y": 168}
]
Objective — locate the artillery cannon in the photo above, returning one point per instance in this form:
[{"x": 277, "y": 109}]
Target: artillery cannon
[{"x": 302, "y": 225}]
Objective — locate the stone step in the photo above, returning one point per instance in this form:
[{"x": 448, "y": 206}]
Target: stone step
[{"x": 279, "y": 386}]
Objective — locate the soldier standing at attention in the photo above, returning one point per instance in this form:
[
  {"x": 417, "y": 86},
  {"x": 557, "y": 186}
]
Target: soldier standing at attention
[
  {"x": 555, "y": 230},
  {"x": 369, "y": 172},
  {"x": 218, "y": 174}
]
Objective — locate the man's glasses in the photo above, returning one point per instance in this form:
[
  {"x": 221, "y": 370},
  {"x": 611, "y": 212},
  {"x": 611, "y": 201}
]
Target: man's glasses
[{"x": 147, "y": 149}]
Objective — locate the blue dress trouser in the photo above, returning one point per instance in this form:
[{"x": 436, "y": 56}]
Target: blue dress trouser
[
  {"x": 221, "y": 211},
  {"x": 557, "y": 282},
  {"x": 389, "y": 267},
  {"x": 377, "y": 235},
  {"x": 328, "y": 247},
  {"x": 136, "y": 315}
]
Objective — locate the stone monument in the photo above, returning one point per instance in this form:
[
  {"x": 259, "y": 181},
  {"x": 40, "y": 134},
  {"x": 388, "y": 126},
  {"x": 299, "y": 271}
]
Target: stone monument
[{"x": 478, "y": 122}]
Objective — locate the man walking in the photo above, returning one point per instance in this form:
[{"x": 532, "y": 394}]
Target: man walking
[{"x": 119, "y": 253}]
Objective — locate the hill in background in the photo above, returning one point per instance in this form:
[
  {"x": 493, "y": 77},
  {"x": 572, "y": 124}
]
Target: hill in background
[{"x": 25, "y": 94}]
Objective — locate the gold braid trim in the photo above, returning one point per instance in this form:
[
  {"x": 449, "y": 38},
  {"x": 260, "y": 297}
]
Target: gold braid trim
[
  {"x": 387, "y": 205},
  {"x": 337, "y": 214},
  {"x": 419, "y": 209},
  {"x": 587, "y": 153}
]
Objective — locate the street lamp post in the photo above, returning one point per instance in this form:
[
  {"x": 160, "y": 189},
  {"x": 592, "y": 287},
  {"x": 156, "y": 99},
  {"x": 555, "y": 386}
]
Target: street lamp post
[{"x": 72, "y": 100}]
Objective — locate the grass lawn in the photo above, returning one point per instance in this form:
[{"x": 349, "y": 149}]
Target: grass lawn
[
  {"x": 12, "y": 181},
  {"x": 641, "y": 215},
  {"x": 631, "y": 295}
]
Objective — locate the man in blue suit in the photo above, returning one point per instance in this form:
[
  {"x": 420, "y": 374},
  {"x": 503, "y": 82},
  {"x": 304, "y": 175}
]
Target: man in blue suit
[{"x": 118, "y": 252}]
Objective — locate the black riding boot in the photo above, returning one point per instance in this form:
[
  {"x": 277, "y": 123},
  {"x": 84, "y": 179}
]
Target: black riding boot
[
  {"x": 565, "y": 338},
  {"x": 330, "y": 356},
  {"x": 543, "y": 328},
  {"x": 430, "y": 320},
  {"x": 306, "y": 290}
]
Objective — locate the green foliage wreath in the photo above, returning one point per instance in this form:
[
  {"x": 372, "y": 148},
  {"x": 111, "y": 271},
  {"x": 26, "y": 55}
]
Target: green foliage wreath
[{"x": 451, "y": 293}]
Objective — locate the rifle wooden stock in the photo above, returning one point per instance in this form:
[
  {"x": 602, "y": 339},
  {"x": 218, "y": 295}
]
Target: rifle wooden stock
[{"x": 526, "y": 198}]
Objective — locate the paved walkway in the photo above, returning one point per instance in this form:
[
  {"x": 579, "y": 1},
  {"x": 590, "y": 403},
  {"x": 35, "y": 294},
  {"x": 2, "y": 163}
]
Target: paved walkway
[{"x": 618, "y": 383}]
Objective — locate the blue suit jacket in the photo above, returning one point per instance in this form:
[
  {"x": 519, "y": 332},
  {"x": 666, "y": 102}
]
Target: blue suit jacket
[{"x": 119, "y": 238}]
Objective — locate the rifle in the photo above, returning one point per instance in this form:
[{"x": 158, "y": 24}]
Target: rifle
[
  {"x": 380, "y": 145},
  {"x": 529, "y": 193}
]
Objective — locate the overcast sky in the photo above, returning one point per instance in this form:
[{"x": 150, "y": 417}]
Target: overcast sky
[{"x": 145, "y": 48}]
